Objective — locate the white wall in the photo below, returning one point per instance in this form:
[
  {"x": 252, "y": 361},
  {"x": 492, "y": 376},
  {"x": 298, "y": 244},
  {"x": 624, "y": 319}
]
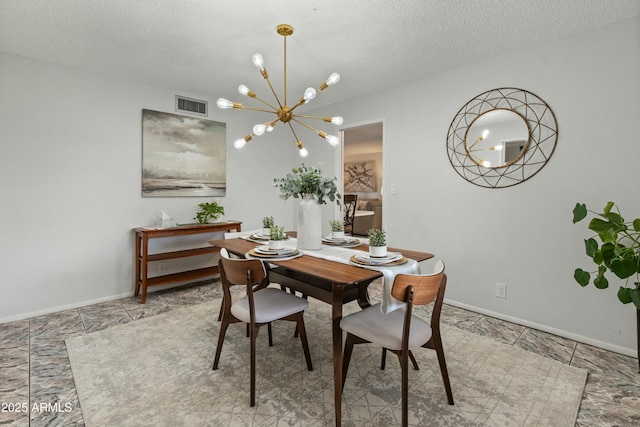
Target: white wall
[
  {"x": 521, "y": 236},
  {"x": 70, "y": 182}
]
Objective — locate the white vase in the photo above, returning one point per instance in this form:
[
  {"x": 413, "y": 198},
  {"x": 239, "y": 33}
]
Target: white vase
[
  {"x": 378, "y": 251},
  {"x": 309, "y": 224},
  {"x": 337, "y": 234},
  {"x": 266, "y": 231}
]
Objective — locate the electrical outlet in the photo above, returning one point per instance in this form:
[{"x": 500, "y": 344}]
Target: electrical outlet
[
  {"x": 501, "y": 290},
  {"x": 394, "y": 189}
]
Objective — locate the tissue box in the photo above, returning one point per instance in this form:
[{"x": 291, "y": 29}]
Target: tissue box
[{"x": 166, "y": 222}]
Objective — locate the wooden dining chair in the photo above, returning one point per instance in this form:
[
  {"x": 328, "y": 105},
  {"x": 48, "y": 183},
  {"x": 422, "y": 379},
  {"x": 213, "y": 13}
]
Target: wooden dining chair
[
  {"x": 349, "y": 208},
  {"x": 400, "y": 331},
  {"x": 260, "y": 306}
]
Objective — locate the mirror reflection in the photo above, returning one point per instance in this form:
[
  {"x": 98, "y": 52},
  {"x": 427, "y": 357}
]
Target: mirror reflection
[{"x": 497, "y": 138}]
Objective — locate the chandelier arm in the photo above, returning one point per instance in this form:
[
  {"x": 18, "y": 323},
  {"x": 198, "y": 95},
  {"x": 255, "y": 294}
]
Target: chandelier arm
[
  {"x": 273, "y": 91},
  {"x": 266, "y": 103},
  {"x": 294, "y": 132},
  {"x": 244, "y": 107},
  {"x": 297, "y": 105},
  {"x": 324, "y": 119},
  {"x": 305, "y": 125}
]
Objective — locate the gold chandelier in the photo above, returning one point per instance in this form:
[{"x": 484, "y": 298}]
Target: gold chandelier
[{"x": 283, "y": 113}]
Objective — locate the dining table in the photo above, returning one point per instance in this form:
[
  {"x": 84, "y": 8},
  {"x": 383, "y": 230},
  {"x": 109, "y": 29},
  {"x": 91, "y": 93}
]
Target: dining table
[{"x": 327, "y": 279}]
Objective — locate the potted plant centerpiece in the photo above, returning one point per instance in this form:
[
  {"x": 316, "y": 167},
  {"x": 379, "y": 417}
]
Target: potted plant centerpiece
[
  {"x": 617, "y": 252},
  {"x": 377, "y": 243},
  {"x": 267, "y": 223},
  {"x": 308, "y": 184},
  {"x": 337, "y": 228},
  {"x": 209, "y": 213},
  {"x": 276, "y": 237}
]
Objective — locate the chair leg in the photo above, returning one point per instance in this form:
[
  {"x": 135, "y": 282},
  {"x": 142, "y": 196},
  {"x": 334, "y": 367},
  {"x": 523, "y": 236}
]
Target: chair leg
[
  {"x": 305, "y": 344},
  {"x": 221, "y": 310},
  {"x": 254, "y": 333},
  {"x": 413, "y": 361},
  {"x": 383, "y": 362},
  {"x": 270, "y": 335},
  {"x": 404, "y": 363},
  {"x": 346, "y": 356},
  {"x": 223, "y": 331},
  {"x": 443, "y": 369}
]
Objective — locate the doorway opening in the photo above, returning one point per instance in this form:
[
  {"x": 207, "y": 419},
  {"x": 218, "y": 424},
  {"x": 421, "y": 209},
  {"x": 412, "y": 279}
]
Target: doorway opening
[{"x": 363, "y": 174}]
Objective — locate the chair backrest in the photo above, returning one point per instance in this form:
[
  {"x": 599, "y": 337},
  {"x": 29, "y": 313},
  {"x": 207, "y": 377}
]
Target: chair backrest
[
  {"x": 236, "y": 271},
  {"x": 425, "y": 286},
  {"x": 349, "y": 202}
]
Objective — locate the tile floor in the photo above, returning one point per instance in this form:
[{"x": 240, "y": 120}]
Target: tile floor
[{"x": 37, "y": 386}]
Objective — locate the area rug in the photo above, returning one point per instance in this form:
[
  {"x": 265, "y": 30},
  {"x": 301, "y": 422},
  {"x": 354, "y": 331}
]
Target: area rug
[{"x": 157, "y": 372}]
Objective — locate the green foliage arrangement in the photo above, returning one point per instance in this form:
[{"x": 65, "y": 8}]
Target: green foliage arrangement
[
  {"x": 276, "y": 232},
  {"x": 267, "y": 222},
  {"x": 377, "y": 237},
  {"x": 336, "y": 225},
  {"x": 617, "y": 251},
  {"x": 209, "y": 212},
  {"x": 305, "y": 180}
]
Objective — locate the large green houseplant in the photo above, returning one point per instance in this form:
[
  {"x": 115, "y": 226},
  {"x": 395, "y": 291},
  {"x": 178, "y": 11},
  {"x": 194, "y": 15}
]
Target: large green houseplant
[{"x": 617, "y": 252}]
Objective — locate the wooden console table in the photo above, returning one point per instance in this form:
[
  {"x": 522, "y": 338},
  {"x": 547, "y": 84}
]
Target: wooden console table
[{"x": 143, "y": 258}]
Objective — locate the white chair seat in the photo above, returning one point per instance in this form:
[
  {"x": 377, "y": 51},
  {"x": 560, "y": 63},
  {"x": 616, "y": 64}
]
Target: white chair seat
[
  {"x": 270, "y": 304},
  {"x": 386, "y": 329}
]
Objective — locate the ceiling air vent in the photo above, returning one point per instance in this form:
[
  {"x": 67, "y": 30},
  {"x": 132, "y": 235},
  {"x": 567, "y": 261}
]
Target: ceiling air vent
[{"x": 192, "y": 106}]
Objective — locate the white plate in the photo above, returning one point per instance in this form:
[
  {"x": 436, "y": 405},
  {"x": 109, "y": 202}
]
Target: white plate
[
  {"x": 390, "y": 257},
  {"x": 265, "y": 250},
  {"x": 345, "y": 239}
]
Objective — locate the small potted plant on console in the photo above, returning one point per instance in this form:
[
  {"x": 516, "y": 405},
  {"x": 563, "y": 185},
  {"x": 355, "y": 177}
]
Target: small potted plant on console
[
  {"x": 209, "y": 213},
  {"x": 377, "y": 243}
]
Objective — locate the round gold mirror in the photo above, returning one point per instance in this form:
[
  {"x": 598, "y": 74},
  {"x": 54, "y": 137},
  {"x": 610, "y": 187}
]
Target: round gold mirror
[{"x": 502, "y": 137}]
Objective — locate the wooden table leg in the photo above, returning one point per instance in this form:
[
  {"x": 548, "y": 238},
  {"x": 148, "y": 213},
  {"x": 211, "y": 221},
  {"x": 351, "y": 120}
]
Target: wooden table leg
[{"x": 336, "y": 316}]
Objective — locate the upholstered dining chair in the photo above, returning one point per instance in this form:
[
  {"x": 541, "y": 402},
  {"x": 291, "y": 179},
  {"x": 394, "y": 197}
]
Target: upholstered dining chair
[
  {"x": 260, "y": 306},
  {"x": 400, "y": 331},
  {"x": 349, "y": 208}
]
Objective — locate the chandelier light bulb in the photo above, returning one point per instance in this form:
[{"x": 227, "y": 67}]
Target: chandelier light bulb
[
  {"x": 258, "y": 61},
  {"x": 243, "y": 89},
  {"x": 337, "y": 120},
  {"x": 303, "y": 152},
  {"x": 333, "y": 140},
  {"x": 333, "y": 79},
  {"x": 309, "y": 94},
  {"x": 239, "y": 143},
  {"x": 485, "y": 133},
  {"x": 224, "y": 103},
  {"x": 269, "y": 127},
  {"x": 498, "y": 147},
  {"x": 259, "y": 129}
]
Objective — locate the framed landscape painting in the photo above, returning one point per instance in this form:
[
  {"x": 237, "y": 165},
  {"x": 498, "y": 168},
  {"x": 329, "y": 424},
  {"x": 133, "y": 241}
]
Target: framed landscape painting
[{"x": 182, "y": 156}]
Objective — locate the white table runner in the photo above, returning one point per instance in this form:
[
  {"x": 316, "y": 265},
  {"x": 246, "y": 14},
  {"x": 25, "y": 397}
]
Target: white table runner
[{"x": 343, "y": 255}]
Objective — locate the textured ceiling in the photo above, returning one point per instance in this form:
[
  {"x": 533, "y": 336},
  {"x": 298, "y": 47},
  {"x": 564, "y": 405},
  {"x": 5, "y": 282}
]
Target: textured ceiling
[{"x": 204, "y": 47}]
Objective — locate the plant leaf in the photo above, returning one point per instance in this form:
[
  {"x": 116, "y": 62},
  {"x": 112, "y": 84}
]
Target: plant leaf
[
  {"x": 582, "y": 277},
  {"x": 623, "y": 268},
  {"x": 624, "y": 295},
  {"x": 636, "y": 224},
  {"x": 601, "y": 282},
  {"x": 579, "y": 212},
  {"x": 591, "y": 246}
]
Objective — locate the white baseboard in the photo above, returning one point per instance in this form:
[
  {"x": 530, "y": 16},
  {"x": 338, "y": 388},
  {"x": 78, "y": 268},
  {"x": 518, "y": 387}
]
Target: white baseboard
[
  {"x": 50, "y": 310},
  {"x": 586, "y": 340}
]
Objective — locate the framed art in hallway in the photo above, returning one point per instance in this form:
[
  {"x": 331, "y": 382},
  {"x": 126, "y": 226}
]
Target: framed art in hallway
[
  {"x": 360, "y": 176},
  {"x": 182, "y": 156}
]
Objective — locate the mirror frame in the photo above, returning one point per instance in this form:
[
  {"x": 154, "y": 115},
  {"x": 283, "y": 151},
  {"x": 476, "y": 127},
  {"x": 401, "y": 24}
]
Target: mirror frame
[{"x": 543, "y": 135}]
